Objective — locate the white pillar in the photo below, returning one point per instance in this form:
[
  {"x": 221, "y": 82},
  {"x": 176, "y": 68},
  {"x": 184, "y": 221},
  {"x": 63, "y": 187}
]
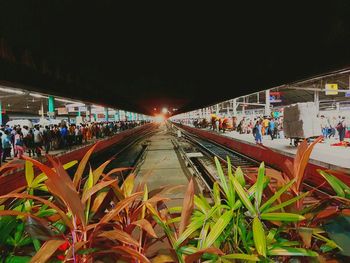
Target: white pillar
[
  {"x": 267, "y": 103},
  {"x": 42, "y": 109},
  {"x": 235, "y": 107},
  {"x": 317, "y": 100},
  {"x": 243, "y": 107}
]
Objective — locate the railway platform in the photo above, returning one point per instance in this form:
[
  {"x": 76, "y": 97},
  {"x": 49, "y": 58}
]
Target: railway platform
[
  {"x": 16, "y": 179},
  {"x": 163, "y": 167},
  {"x": 325, "y": 155},
  {"x": 275, "y": 156}
]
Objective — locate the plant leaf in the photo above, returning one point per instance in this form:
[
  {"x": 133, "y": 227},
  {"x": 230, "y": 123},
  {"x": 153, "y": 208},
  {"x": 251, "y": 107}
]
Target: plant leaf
[
  {"x": 259, "y": 186},
  {"x": 287, "y": 217},
  {"x": 89, "y": 192},
  {"x": 119, "y": 235},
  {"x": 218, "y": 228},
  {"x": 197, "y": 255},
  {"x": 286, "y": 203},
  {"x": 221, "y": 176},
  {"x": 187, "y": 207},
  {"x": 291, "y": 251},
  {"x": 277, "y": 195},
  {"x": 81, "y": 167},
  {"x": 29, "y": 173},
  {"x": 333, "y": 182},
  {"x": 192, "y": 227},
  {"x": 44, "y": 201},
  {"x": 259, "y": 237},
  {"x": 128, "y": 185},
  {"x": 301, "y": 160},
  {"x": 145, "y": 225},
  {"x": 98, "y": 201},
  {"x": 129, "y": 251},
  {"x": 99, "y": 170},
  {"x": 60, "y": 184},
  {"x": 244, "y": 257},
  {"x": 240, "y": 176},
  {"x": 120, "y": 206},
  {"x": 42, "y": 177},
  {"x": 46, "y": 251},
  {"x": 244, "y": 197},
  {"x": 163, "y": 259}
]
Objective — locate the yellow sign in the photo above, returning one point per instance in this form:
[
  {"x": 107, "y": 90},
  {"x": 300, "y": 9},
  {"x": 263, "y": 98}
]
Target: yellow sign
[{"x": 332, "y": 89}]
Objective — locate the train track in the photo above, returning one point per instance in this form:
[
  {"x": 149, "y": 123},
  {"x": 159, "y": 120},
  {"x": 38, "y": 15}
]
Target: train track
[
  {"x": 211, "y": 149},
  {"x": 248, "y": 165}
]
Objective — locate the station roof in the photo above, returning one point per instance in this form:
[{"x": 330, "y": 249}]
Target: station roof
[{"x": 143, "y": 57}]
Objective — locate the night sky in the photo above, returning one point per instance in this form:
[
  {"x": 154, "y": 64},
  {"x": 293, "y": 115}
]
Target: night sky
[{"x": 184, "y": 56}]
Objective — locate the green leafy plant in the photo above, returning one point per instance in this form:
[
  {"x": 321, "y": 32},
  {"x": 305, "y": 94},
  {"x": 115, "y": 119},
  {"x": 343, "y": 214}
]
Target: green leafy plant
[
  {"x": 243, "y": 222},
  {"x": 85, "y": 218}
]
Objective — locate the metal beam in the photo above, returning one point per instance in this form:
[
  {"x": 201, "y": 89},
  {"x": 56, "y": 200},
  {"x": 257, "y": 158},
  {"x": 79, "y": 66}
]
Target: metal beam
[{"x": 315, "y": 89}]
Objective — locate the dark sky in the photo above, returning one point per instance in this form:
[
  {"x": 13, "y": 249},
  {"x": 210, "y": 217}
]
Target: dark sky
[{"x": 185, "y": 56}]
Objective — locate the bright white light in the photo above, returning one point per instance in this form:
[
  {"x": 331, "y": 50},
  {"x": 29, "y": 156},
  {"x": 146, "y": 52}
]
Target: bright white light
[
  {"x": 36, "y": 95},
  {"x": 164, "y": 110},
  {"x": 159, "y": 118},
  {"x": 10, "y": 90},
  {"x": 77, "y": 104},
  {"x": 64, "y": 100}
]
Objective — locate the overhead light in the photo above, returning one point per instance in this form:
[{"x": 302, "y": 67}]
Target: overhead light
[
  {"x": 37, "y": 95},
  {"x": 11, "y": 90},
  {"x": 164, "y": 110},
  {"x": 75, "y": 104},
  {"x": 65, "y": 100}
]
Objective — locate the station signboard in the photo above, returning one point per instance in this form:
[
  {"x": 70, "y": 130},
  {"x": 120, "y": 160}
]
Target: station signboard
[
  {"x": 331, "y": 89},
  {"x": 62, "y": 111},
  {"x": 275, "y": 97}
]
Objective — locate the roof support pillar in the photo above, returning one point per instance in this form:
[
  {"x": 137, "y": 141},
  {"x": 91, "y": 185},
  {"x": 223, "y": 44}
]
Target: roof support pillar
[
  {"x": 267, "y": 103},
  {"x": 116, "y": 115},
  {"x": 51, "y": 113},
  {"x": 317, "y": 100},
  {"x": 234, "y": 106},
  {"x": 88, "y": 112}
]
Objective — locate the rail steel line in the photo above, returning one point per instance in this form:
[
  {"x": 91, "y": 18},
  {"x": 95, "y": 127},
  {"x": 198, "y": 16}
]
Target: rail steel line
[{"x": 248, "y": 165}]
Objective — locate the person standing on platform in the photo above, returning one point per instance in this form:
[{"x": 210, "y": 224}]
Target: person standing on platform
[
  {"x": 258, "y": 134},
  {"x": 265, "y": 123},
  {"x": 271, "y": 128},
  {"x": 38, "y": 140},
  {"x": 6, "y": 145},
  {"x": 47, "y": 139},
  {"x": 217, "y": 124},
  {"x": 19, "y": 144},
  {"x": 332, "y": 126},
  {"x": 341, "y": 127},
  {"x": 324, "y": 127}
]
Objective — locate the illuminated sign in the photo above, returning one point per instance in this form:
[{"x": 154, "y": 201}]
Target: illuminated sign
[
  {"x": 331, "y": 89},
  {"x": 275, "y": 97}
]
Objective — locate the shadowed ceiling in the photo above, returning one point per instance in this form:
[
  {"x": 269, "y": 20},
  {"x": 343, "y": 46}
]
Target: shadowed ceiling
[{"x": 141, "y": 57}]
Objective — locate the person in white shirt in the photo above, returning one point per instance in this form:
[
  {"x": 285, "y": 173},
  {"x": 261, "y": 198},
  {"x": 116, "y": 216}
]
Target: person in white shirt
[{"x": 38, "y": 139}]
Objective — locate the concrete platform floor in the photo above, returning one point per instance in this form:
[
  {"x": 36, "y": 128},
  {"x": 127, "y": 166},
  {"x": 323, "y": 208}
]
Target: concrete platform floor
[
  {"x": 330, "y": 157},
  {"x": 162, "y": 167}
]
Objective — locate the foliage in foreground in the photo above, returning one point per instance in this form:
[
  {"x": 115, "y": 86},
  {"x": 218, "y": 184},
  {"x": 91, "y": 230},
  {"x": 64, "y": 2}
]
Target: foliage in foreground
[
  {"x": 87, "y": 218},
  {"x": 93, "y": 216}
]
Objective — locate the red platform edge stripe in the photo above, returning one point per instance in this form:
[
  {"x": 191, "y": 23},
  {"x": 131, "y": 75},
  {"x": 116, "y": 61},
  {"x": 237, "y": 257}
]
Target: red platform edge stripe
[
  {"x": 261, "y": 154},
  {"x": 16, "y": 180}
]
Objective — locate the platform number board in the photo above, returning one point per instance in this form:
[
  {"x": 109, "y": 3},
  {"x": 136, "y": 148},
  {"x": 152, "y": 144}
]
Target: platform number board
[{"x": 331, "y": 89}]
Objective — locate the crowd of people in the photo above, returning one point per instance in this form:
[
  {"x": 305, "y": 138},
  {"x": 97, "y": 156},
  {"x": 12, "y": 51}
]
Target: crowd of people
[
  {"x": 330, "y": 127},
  {"x": 17, "y": 140},
  {"x": 334, "y": 126}
]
